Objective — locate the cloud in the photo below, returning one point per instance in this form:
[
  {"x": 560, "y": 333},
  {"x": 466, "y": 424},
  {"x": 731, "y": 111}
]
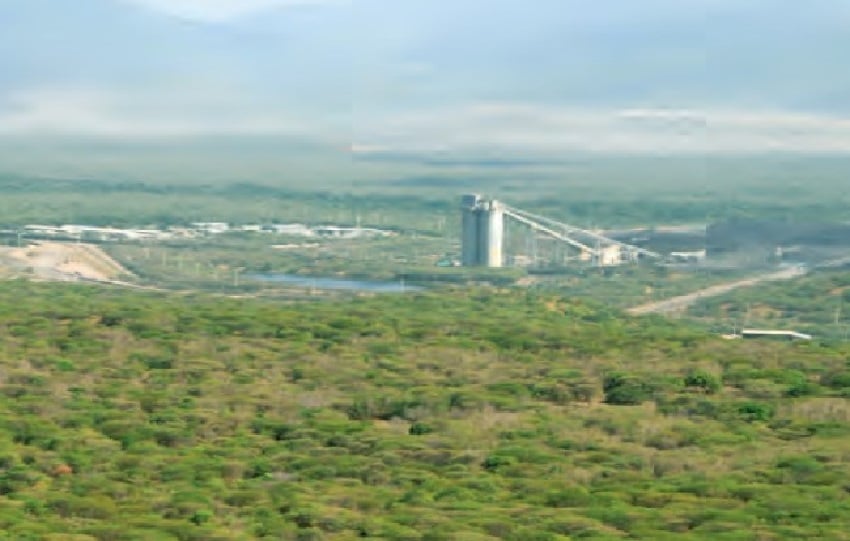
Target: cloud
[
  {"x": 522, "y": 128},
  {"x": 147, "y": 114},
  {"x": 220, "y": 10},
  {"x": 185, "y": 111}
]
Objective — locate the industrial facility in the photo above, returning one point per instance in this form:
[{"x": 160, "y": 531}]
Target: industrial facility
[
  {"x": 487, "y": 227},
  {"x": 766, "y": 240},
  {"x": 91, "y": 233}
]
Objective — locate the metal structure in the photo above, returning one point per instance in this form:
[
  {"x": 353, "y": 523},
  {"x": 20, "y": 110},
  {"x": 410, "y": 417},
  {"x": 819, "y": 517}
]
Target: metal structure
[{"x": 484, "y": 236}]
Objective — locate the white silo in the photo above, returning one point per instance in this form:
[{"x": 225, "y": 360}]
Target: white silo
[
  {"x": 491, "y": 225},
  {"x": 482, "y": 232}
]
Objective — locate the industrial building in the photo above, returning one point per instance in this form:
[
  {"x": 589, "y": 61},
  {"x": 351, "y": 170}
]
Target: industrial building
[
  {"x": 92, "y": 233},
  {"x": 778, "y": 334},
  {"x": 110, "y": 234},
  {"x": 211, "y": 228},
  {"x": 483, "y": 238}
]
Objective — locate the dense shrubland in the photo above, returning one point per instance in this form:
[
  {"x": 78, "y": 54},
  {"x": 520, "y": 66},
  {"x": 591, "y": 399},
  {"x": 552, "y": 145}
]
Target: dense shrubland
[{"x": 464, "y": 415}]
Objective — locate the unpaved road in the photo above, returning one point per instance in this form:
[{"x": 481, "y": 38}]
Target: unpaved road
[{"x": 681, "y": 303}]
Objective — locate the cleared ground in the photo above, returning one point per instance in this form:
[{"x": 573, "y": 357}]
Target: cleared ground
[
  {"x": 57, "y": 261},
  {"x": 681, "y": 303}
]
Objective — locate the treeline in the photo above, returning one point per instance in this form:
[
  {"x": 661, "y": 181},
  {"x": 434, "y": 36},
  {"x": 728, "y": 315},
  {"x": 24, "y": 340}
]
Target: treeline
[
  {"x": 431, "y": 211},
  {"x": 132, "y": 203},
  {"x": 15, "y": 184}
]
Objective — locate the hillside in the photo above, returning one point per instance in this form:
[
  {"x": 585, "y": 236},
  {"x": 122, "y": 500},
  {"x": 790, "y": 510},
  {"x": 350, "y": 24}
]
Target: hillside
[{"x": 455, "y": 415}]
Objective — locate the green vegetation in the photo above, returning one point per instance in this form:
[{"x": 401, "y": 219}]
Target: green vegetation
[
  {"x": 226, "y": 262},
  {"x": 456, "y": 414},
  {"x": 587, "y": 191},
  {"x": 818, "y": 304},
  {"x": 631, "y": 285},
  {"x": 137, "y": 203},
  {"x": 459, "y": 415}
]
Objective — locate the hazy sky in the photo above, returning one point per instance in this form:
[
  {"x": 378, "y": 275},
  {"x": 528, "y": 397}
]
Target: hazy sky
[{"x": 407, "y": 75}]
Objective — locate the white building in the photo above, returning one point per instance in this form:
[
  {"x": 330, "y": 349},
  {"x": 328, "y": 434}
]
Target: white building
[
  {"x": 212, "y": 228},
  {"x": 296, "y": 230}
]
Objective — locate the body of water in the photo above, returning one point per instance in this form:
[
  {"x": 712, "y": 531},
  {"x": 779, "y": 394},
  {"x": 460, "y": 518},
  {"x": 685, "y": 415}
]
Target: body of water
[{"x": 341, "y": 284}]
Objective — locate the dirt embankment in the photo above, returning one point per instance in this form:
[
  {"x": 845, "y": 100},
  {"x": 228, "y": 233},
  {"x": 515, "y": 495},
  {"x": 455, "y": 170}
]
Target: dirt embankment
[{"x": 63, "y": 262}]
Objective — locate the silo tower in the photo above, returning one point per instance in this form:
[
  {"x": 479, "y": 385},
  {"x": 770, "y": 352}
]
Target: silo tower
[{"x": 482, "y": 232}]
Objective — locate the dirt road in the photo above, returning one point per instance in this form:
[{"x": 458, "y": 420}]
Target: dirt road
[{"x": 681, "y": 303}]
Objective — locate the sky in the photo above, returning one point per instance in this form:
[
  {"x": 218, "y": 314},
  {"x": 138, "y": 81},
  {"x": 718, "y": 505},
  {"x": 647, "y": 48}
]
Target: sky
[{"x": 368, "y": 77}]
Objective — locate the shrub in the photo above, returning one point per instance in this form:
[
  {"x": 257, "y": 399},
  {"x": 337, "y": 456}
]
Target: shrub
[
  {"x": 803, "y": 388},
  {"x": 495, "y": 462},
  {"x": 836, "y": 380},
  {"x": 755, "y": 411},
  {"x": 702, "y": 380},
  {"x": 419, "y": 429},
  {"x": 568, "y": 497},
  {"x": 625, "y": 390},
  {"x": 800, "y": 465},
  {"x": 153, "y": 362}
]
